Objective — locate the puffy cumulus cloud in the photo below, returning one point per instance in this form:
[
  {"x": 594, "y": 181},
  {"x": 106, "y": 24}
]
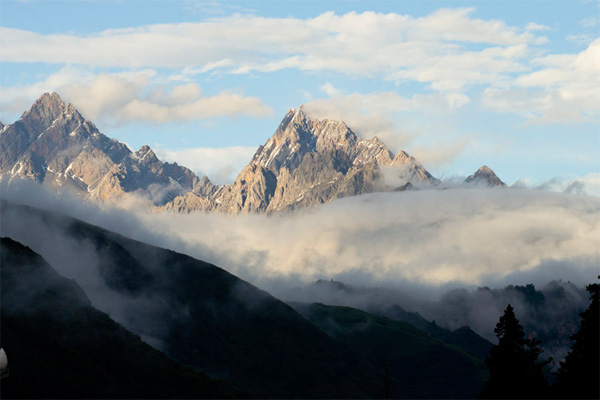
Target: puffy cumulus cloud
[
  {"x": 441, "y": 153},
  {"x": 222, "y": 104},
  {"x": 221, "y": 165},
  {"x": 431, "y": 49},
  {"x": 18, "y": 98},
  {"x": 448, "y": 51},
  {"x": 389, "y": 116},
  {"x": 120, "y": 98},
  {"x": 367, "y": 114},
  {"x": 565, "y": 88}
]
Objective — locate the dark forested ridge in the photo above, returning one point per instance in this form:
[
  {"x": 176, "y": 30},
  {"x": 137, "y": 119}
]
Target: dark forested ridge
[
  {"x": 204, "y": 317},
  {"x": 415, "y": 364},
  {"x": 59, "y": 346}
]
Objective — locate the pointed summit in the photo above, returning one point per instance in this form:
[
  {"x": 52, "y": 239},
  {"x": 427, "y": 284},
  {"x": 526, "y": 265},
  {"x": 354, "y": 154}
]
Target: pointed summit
[
  {"x": 146, "y": 156},
  {"x": 485, "y": 175},
  {"x": 45, "y": 109}
]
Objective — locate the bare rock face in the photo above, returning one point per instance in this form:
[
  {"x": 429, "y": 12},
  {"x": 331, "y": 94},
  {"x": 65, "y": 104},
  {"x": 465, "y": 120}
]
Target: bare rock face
[
  {"x": 306, "y": 162},
  {"x": 485, "y": 176},
  {"x": 53, "y": 144}
]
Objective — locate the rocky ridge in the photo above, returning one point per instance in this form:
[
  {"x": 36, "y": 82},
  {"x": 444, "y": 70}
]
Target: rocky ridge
[
  {"x": 53, "y": 144},
  {"x": 306, "y": 162}
]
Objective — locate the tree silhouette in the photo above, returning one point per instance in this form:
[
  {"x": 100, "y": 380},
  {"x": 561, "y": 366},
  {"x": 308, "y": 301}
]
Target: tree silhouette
[
  {"x": 515, "y": 371},
  {"x": 578, "y": 376}
]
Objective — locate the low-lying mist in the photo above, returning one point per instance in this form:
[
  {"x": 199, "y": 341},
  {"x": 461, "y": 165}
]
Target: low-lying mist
[
  {"x": 417, "y": 245},
  {"x": 432, "y": 238}
]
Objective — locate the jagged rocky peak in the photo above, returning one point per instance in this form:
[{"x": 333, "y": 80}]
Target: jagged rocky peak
[
  {"x": 298, "y": 134},
  {"x": 485, "y": 175},
  {"x": 47, "y": 108},
  {"x": 54, "y": 144},
  {"x": 145, "y": 155}
]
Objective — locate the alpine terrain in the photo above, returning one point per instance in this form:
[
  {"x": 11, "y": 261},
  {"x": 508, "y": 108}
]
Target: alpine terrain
[
  {"x": 306, "y": 162},
  {"x": 53, "y": 144}
]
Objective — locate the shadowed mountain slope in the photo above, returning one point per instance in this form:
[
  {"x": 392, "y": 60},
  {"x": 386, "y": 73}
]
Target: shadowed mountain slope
[
  {"x": 62, "y": 347},
  {"x": 417, "y": 365},
  {"x": 199, "y": 314}
]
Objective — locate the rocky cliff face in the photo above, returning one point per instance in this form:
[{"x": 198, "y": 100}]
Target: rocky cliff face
[
  {"x": 306, "y": 162},
  {"x": 486, "y": 177},
  {"x": 53, "y": 144}
]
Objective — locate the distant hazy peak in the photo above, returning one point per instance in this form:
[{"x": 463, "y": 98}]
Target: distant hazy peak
[
  {"x": 485, "y": 175},
  {"x": 484, "y": 169}
]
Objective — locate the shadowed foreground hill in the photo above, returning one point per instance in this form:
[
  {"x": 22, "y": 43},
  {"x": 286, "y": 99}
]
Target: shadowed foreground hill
[
  {"x": 416, "y": 365},
  {"x": 60, "y": 346},
  {"x": 199, "y": 314}
]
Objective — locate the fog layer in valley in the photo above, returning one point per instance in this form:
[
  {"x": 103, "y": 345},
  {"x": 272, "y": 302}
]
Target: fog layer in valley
[{"x": 414, "y": 246}]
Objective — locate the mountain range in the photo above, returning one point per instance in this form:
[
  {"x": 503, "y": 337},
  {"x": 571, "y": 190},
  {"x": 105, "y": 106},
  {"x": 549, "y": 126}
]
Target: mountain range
[{"x": 306, "y": 162}]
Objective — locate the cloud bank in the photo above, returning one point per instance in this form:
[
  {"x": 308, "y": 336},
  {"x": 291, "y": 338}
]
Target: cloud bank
[
  {"x": 454, "y": 236},
  {"x": 456, "y": 58},
  {"x": 121, "y": 98},
  {"x": 221, "y": 165},
  {"x": 451, "y": 237},
  {"x": 417, "y": 250}
]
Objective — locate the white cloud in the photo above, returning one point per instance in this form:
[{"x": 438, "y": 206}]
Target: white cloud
[
  {"x": 590, "y": 22},
  {"x": 385, "y": 115},
  {"x": 581, "y": 38},
  {"x": 532, "y": 26},
  {"x": 17, "y": 99},
  {"x": 120, "y": 98},
  {"x": 221, "y": 165},
  {"x": 468, "y": 236},
  {"x": 565, "y": 88},
  {"x": 586, "y": 185},
  {"x": 440, "y": 153},
  {"x": 368, "y": 44},
  {"x": 448, "y": 51},
  {"x": 329, "y": 89},
  {"x": 428, "y": 237}
]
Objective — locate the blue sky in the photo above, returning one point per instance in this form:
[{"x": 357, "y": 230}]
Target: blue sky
[{"x": 457, "y": 84}]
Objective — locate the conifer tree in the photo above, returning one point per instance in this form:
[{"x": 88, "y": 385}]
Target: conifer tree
[
  {"x": 515, "y": 371},
  {"x": 578, "y": 376}
]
